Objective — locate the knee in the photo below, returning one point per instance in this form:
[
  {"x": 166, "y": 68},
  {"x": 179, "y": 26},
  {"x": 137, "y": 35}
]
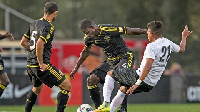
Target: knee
[
  {"x": 110, "y": 73},
  {"x": 37, "y": 90},
  {"x": 93, "y": 80},
  {"x": 66, "y": 85},
  {"x": 122, "y": 89}
]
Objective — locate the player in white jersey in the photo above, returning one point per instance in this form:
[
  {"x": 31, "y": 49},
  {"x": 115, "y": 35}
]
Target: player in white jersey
[{"x": 144, "y": 78}]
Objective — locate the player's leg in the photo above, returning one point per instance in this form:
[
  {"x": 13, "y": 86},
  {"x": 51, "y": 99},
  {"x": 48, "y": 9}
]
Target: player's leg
[
  {"x": 92, "y": 84},
  {"x": 4, "y": 80},
  {"x": 54, "y": 77},
  {"x": 37, "y": 87},
  {"x": 97, "y": 75}
]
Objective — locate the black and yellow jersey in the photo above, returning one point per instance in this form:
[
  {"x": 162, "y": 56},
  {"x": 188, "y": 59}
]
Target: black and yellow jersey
[
  {"x": 43, "y": 29},
  {"x": 109, "y": 40}
]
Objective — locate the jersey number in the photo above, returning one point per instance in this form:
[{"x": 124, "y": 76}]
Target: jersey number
[
  {"x": 166, "y": 51},
  {"x": 32, "y": 42}
]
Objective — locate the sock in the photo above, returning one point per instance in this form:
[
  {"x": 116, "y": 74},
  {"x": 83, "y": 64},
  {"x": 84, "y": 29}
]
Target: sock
[
  {"x": 117, "y": 100},
  {"x": 95, "y": 95},
  {"x": 30, "y": 101},
  {"x": 62, "y": 99},
  {"x": 2, "y": 88},
  {"x": 108, "y": 88},
  {"x": 124, "y": 104}
]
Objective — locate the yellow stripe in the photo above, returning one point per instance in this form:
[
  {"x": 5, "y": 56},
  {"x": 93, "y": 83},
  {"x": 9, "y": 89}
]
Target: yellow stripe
[
  {"x": 32, "y": 65},
  {"x": 2, "y": 86},
  {"x": 109, "y": 28},
  {"x": 45, "y": 40},
  {"x": 130, "y": 60},
  {"x": 92, "y": 87},
  {"x": 125, "y": 30},
  {"x": 26, "y": 36},
  {"x": 56, "y": 74},
  {"x": 64, "y": 92}
]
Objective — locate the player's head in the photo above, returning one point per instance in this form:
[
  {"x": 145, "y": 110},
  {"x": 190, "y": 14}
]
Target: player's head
[
  {"x": 51, "y": 8},
  {"x": 154, "y": 30},
  {"x": 89, "y": 28}
]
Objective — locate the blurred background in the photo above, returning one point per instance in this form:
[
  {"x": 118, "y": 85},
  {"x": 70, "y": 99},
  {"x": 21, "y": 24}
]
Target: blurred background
[{"x": 181, "y": 80}]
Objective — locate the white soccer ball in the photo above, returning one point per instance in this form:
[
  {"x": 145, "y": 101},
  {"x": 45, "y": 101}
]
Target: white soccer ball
[{"x": 84, "y": 108}]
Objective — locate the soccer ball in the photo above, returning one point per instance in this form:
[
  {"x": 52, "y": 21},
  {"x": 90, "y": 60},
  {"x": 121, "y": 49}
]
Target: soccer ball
[{"x": 85, "y": 108}]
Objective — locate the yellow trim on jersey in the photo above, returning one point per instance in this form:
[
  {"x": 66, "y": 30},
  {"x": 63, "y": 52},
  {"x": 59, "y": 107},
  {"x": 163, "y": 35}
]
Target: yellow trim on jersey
[
  {"x": 2, "y": 86},
  {"x": 26, "y": 36},
  {"x": 109, "y": 28},
  {"x": 92, "y": 87},
  {"x": 64, "y": 92},
  {"x": 118, "y": 57},
  {"x": 45, "y": 40},
  {"x": 55, "y": 73},
  {"x": 125, "y": 32},
  {"x": 130, "y": 58},
  {"x": 32, "y": 65}
]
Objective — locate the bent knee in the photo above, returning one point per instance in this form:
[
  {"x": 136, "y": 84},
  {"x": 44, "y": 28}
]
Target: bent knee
[
  {"x": 66, "y": 85},
  {"x": 93, "y": 80},
  {"x": 110, "y": 73}
]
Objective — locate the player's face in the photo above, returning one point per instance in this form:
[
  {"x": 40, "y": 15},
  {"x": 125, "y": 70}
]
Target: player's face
[
  {"x": 90, "y": 32},
  {"x": 149, "y": 35}
]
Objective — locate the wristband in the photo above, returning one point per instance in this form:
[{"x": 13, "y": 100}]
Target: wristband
[{"x": 138, "y": 82}]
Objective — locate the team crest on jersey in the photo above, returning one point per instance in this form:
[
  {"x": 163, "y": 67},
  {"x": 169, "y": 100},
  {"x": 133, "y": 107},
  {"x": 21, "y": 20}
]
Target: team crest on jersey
[
  {"x": 107, "y": 38},
  {"x": 120, "y": 29},
  {"x": 1, "y": 67}
]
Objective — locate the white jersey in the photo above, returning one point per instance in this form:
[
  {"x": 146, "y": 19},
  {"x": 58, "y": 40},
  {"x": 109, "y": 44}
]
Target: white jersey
[{"x": 160, "y": 51}]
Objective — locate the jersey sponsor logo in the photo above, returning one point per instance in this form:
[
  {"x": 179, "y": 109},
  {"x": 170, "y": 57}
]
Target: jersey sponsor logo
[{"x": 107, "y": 38}]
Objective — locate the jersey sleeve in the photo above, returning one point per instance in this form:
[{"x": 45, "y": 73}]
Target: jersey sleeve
[
  {"x": 27, "y": 34},
  {"x": 114, "y": 30},
  {"x": 45, "y": 33},
  {"x": 88, "y": 41},
  {"x": 175, "y": 47}
]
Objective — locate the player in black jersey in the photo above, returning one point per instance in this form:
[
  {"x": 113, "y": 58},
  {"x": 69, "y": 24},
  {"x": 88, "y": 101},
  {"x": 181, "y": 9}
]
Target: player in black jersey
[
  {"x": 108, "y": 37},
  {"x": 38, "y": 41},
  {"x": 4, "y": 80}
]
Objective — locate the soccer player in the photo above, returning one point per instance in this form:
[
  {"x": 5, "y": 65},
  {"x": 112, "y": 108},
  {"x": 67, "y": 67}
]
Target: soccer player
[
  {"x": 38, "y": 41},
  {"x": 143, "y": 79},
  {"x": 4, "y": 80},
  {"x": 108, "y": 37}
]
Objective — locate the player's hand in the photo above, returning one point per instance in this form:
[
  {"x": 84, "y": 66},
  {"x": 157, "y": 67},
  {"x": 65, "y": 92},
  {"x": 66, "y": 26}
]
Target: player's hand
[
  {"x": 186, "y": 32},
  {"x": 9, "y": 36},
  {"x": 72, "y": 74},
  {"x": 1, "y": 49},
  {"x": 43, "y": 67},
  {"x": 131, "y": 89}
]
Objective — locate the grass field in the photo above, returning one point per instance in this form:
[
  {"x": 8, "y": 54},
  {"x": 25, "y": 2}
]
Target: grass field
[{"x": 131, "y": 108}]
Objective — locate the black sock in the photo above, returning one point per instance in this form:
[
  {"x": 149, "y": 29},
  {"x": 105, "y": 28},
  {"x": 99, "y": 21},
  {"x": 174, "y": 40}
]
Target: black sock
[
  {"x": 124, "y": 104},
  {"x": 62, "y": 99},
  {"x": 30, "y": 101},
  {"x": 95, "y": 95},
  {"x": 2, "y": 88}
]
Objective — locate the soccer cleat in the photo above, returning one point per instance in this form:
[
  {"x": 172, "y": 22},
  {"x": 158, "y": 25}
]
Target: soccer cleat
[{"x": 105, "y": 107}]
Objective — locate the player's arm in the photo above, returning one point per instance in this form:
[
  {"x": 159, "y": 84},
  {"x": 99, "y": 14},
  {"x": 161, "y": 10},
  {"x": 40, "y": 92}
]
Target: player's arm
[
  {"x": 25, "y": 43},
  {"x": 144, "y": 73},
  {"x": 135, "y": 31},
  {"x": 7, "y": 35},
  {"x": 185, "y": 34},
  {"x": 83, "y": 55},
  {"x": 39, "y": 53}
]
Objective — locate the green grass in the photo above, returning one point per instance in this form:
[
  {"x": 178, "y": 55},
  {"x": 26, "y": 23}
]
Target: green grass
[{"x": 131, "y": 108}]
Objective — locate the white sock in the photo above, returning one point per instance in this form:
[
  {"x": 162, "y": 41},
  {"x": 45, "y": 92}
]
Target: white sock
[
  {"x": 117, "y": 100},
  {"x": 108, "y": 88}
]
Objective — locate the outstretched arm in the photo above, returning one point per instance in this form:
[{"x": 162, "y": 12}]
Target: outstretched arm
[
  {"x": 84, "y": 54},
  {"x": 7, "y": 35},
  {"x": 185, "y": 34},
  {"x": 135, "y": 31}
]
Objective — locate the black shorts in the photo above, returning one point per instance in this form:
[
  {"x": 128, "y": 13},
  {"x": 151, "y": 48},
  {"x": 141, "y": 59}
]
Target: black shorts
[
  {"x": 126, "y": 61},
  {"x": 128, "y": 77},
  {"x": 50, "y": 77},
  {"x": 2, "y": 69}
]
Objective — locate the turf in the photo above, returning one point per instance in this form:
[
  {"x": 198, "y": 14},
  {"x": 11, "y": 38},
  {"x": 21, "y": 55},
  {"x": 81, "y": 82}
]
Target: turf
[{"x": 195, "y": 107}]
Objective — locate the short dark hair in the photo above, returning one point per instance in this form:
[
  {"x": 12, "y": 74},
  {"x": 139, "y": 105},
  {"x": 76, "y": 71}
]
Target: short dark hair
[
  {"x": 155, "y": 27},
  {"x": 50, "y": 7},
  {"x": 86, "y": 23}
]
